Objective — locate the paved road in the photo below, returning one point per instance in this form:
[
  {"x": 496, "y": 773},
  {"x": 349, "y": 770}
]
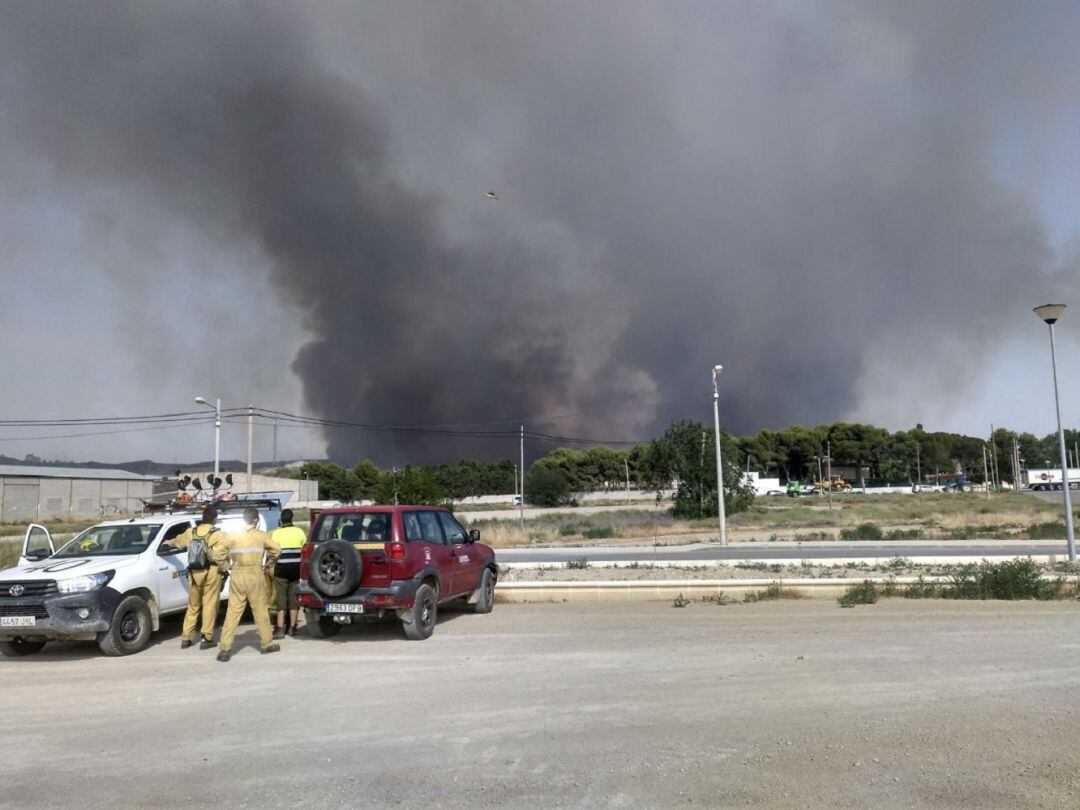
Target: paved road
[
  {"x": 705, "y": 552},
  {"x": 901, "y": 704}
]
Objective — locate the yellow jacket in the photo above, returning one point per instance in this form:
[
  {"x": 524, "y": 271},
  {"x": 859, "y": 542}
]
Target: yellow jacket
[{"x": 248, "y": 548}]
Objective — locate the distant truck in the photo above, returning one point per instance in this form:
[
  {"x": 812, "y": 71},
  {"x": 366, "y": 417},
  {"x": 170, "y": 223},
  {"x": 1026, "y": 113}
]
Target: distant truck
[
  {"x": 1046, "y": 480},
  {"x": 762, "y": 486}
]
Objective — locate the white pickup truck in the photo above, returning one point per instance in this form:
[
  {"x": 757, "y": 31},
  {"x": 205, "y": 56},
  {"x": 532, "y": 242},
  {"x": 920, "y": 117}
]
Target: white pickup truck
[{"x": 111, "y": 583}]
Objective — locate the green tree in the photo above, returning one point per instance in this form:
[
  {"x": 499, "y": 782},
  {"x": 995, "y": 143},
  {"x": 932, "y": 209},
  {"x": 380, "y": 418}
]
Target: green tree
[
  {"x": 546, "y": 485},
  {"x": 366, "y": 475},
  {"x": 687, "y": 452},
  {"x": 409, "y": 486}
]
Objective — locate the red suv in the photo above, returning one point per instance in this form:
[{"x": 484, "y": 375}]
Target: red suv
[{"x": 362, "y": 562}]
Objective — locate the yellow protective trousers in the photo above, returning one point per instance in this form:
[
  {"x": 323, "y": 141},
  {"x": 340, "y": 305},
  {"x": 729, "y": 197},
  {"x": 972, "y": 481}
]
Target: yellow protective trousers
[
  {"x": 204, "y": 596},
  {"x": 247, "y": 586}
]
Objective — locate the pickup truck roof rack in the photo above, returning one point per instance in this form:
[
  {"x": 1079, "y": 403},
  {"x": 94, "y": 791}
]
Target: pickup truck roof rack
[{"x": 222, "y": 505}]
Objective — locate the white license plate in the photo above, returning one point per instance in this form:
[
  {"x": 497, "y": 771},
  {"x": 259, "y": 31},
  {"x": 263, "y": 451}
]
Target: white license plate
[
  {"x": 332, "y": 607},
  {"x": 17, "y": 621}
]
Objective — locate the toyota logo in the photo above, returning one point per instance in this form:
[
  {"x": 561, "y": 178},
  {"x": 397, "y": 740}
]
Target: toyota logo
[{"x": 16, "y": 590}]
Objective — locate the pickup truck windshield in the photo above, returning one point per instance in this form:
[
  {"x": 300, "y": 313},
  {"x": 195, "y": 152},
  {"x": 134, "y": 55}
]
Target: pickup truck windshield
[{"x": 101, "y": 541}]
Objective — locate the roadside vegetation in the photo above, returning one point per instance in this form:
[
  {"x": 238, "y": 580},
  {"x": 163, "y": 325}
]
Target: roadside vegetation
[{"x": 1007, "y": 580}]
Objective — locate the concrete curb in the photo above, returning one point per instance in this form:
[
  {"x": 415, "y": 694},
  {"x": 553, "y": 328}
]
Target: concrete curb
[
  {"x": 693, "y": 589},
  {"x": 786, "y": 561}
]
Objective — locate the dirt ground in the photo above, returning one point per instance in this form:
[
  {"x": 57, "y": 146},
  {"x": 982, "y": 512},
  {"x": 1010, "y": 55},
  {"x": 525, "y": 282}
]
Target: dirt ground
[{"x": 901, "y": 704}]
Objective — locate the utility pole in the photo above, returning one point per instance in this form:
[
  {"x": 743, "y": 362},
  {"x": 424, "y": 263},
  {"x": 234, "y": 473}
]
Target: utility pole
[
  {"x": 275, "y": 441},
  {"x": 626, "y": 464},
  {"x": 918, "y": 463},
  {"x": 521, "y": 500},
  {"x": 828, "y": 465},
  {"x": 986, "y": 474},
  {"x": 720, "y": 506},
  {"x": 251, "y": 435}
]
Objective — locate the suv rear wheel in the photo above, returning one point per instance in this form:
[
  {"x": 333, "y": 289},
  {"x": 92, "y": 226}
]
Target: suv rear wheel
[{"x": 419, "y": 621}]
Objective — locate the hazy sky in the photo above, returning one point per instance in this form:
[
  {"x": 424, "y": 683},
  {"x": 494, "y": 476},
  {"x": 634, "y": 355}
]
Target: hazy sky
[{"x": 852, "y": 206}]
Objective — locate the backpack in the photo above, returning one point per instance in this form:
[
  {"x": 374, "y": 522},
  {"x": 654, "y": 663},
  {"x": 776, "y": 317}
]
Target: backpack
[{"x": 198, "y": 553}]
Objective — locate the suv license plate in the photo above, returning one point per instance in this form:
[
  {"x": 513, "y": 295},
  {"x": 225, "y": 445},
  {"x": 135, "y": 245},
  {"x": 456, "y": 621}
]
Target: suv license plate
[
  {"x": 17, "y": 621},
  {"x": 332, "y": 607}
]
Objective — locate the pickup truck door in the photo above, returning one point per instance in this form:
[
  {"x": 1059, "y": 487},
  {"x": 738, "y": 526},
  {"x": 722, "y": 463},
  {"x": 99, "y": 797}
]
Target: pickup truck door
[
  {"x": 463, "y": 558},
  {"x": 37, "y": 544},
  {"x": 170, "y": 569}
]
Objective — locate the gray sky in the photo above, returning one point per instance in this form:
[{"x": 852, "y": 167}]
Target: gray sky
[{"x": 852, "y": 206}]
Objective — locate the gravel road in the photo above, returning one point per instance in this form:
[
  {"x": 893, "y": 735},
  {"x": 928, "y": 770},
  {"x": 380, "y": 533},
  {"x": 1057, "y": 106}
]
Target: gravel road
[{"x": 639, "y": 704}]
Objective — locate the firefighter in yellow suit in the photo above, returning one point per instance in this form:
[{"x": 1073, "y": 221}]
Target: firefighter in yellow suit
[
  {"x": 247, "y": 555},
  {"x": 204, "y": 591}
]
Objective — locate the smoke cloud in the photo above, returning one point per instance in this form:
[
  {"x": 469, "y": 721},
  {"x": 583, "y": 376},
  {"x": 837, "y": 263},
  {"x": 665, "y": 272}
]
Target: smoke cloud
[{"x": 812, "y": 196}]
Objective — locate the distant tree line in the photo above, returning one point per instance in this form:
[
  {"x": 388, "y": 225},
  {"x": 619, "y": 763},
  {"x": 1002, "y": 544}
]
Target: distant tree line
[{"x": 684, "y": 458}]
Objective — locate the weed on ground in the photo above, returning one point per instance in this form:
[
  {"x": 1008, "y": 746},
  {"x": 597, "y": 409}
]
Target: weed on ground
[{"x": 774, "y": 591}]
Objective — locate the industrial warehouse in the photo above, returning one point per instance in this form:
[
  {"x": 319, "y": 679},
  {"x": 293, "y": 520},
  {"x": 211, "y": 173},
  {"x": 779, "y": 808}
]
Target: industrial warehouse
[{"x": 59, "y": 493}]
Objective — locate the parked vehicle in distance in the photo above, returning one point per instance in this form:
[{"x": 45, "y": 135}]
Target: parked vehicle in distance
[
  {"x": 111, "y": 583},
  {"x": 362, "y": 563},
  {"x": 1045, "y": 480},
  {"x": 961, "y": 484}
]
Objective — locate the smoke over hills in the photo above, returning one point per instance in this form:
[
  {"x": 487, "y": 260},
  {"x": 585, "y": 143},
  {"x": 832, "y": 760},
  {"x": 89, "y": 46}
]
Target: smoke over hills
[{"x": 785, "y": 192}]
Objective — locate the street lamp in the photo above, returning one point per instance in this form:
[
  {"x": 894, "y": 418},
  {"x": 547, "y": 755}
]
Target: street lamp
[
  {"x": 719, "y": 467},
  {"x": 1050, "y": 314},
  {"x": 216, "y": 407}
]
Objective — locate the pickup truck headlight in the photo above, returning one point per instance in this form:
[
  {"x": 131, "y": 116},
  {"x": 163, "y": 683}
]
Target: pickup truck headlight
[{"x": 90, "y": 582}]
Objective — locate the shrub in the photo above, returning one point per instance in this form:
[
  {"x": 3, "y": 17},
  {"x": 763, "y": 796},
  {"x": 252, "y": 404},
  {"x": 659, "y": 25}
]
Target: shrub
[
  {"x": 921, "y": 589},
  {"x": 774, "y": 591},
  {"x": 898, "y": 564},
  {"x": 1046, "y": 531},
  {"x": 905, "y": 534},
  {"x": 718, "y": 598},
  {"x": 680, "y": 601},
  {"x": 865, "y": 593},
  {"x": 578, "y": 562},
  {"x": 599, "y": 532},
  {"x": 1011, "y": 579},
  {"x": 864, "y": 531},
  {"x": 568, "y": 531}
]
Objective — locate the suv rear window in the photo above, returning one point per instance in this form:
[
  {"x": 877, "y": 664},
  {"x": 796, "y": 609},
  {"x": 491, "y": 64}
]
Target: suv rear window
[{"x": 355, "y": 527}]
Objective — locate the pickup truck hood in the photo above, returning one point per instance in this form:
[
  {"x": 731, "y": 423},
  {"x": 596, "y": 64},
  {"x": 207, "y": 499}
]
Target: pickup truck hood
[{"x": 66, "y": 567}]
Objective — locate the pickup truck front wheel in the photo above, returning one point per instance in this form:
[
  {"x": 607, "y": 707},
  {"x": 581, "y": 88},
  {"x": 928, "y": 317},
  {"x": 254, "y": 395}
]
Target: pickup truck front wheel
[
  {"x": 131, "y": 628},
  {"x": 20, "y": 647}
]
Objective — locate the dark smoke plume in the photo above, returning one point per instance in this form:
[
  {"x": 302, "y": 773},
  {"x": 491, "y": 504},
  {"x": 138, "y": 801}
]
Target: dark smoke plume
[{"x": 794, "y": 196}]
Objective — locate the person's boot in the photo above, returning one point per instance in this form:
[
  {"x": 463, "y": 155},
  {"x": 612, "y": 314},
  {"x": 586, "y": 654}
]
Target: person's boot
[
  {"x": 279, "y": 633},
  {"x": 207, "y": 643},
  {"x": 273, "y": 648},
  {"x": 224, "y": 655},
  {"x": 185, "y": 643}
]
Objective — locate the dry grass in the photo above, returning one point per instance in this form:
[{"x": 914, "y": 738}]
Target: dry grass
[{"x": 934, "y": 515}]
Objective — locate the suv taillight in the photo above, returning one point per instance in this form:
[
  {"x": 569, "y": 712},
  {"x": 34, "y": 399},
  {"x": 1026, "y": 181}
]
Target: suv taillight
[
  {"x": 305, "y": 555},
  {"x": 395, "y": 551}
]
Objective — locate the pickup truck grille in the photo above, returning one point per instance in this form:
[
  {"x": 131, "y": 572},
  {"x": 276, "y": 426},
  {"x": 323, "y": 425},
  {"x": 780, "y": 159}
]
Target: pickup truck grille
[
  {"x": 27, "y": 589},
  {"x": 35, "y": 609}
]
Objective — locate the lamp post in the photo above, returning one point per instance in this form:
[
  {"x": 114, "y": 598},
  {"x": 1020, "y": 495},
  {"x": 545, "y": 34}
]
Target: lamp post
[
  {"x": 216, "y": 407},
  {"x": 719, "y": 466},
  {"x": 1050, "y": 314}
]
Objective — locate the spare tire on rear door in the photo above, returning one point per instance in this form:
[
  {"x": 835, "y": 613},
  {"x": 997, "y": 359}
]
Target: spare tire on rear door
[{"x": 334, "y": 568}]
